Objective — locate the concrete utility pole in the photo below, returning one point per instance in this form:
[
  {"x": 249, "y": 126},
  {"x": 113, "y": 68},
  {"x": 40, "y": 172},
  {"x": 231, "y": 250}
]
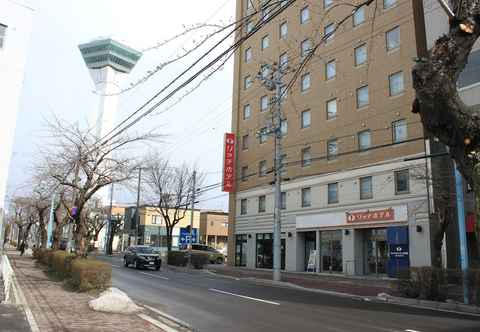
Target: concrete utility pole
[
  {"x": 194, "y": 175},
  {"x": 137, "y": 212},
  {"x": 272, "y": 83},
  {"x": 109, "y": 223}
]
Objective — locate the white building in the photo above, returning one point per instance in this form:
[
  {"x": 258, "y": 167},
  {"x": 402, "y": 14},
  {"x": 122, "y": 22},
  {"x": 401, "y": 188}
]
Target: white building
[{"x": 16, "y": 18}]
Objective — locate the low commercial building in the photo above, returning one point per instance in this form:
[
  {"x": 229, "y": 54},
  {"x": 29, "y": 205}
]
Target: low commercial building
[
  {"x": 214, "y": 229},
  {"x": 152, "y": 228}
]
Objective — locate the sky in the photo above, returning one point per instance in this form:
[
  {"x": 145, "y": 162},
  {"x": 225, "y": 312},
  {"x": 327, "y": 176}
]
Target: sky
[{"x": 57, "y": 82}]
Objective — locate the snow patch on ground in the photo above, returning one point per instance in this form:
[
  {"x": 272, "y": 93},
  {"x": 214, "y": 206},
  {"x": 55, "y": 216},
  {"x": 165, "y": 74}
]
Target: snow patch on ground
[{"x": 115, "y": 301}]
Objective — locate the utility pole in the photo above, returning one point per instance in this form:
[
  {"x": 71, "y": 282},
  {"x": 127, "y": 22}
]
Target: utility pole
[
  {"x": 275, "y": 83},
  {"x": 194, "y": 175},
  {"x": 109, "y": 223},
  {"x": 137, "y": 212}
]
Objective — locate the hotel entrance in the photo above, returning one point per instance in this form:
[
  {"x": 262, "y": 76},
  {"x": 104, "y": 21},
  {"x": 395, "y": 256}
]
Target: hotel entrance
[
  {"x": 331, "y": 251},
  {"x": 376, "y": 251}
]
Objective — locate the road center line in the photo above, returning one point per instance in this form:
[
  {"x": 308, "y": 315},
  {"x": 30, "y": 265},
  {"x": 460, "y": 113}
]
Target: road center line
[
  {"x": 408, "y": 330},
  {"x": 118, "y": 266},
  {"x": 153, "y": 275},
  {"x": 243, "y": 296}
]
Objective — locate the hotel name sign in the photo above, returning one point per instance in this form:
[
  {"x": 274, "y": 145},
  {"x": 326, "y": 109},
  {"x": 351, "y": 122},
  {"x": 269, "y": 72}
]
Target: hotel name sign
[{"x": 370, "y": 216}]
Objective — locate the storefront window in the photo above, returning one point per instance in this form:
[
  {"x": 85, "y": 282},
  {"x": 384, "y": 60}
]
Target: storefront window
[
  {"x": 331, "y": 251},
  {"x": 310, "y": 244},
  {"x": 241, "y": 250},
  {"x": 264, "y": 249}
]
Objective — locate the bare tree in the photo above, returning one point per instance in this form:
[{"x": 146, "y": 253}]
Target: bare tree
[
  {"x": 169, "y": 190},
  {"x": 435, "y": 76},
  {"x": 77, "y": 161}
]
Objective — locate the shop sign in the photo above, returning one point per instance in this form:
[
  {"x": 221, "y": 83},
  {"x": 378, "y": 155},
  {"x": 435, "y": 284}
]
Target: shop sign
[
  {"x": 229, "y": 163},
  {"x": 367, "y": 216},
  {"x": 399, "y": 251}
]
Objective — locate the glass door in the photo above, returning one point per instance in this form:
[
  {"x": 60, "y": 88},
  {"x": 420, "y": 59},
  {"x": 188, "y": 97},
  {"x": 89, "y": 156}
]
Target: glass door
[
  {"x": 241, "y": 250},
  {"x": 310, "y": 244},
  {"x": 377, "y": 251},
  {"x": 331, "y": 251}
]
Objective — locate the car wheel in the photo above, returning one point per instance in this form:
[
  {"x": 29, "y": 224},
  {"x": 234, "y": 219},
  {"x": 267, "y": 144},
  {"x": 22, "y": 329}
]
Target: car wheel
[
  {"x": 157, "y": 268},
  {"x": 219, "y": 260},
  {"x": 135, "y": 263},
  {"x": 125, "y": 262}
]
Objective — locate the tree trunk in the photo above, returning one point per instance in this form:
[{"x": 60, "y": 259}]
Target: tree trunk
[
  {"x": 81, "y": 237},
  {"x": 43, "y": 232},
  {"x": 169, "y": 238}
]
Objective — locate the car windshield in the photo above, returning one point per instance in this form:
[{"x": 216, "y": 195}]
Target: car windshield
[{"x": 144, "y": 250}]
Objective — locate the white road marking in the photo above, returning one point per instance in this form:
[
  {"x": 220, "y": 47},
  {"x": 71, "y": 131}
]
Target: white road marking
[
  {"x": 154, "y": 275},
  {"x": 167, "y": 316},
  {"x": 118, "y": 266},
  {"x": 243, "y": 296},
  {"x": 157, "y": 323},
  {"x": 408, "y": 330}
]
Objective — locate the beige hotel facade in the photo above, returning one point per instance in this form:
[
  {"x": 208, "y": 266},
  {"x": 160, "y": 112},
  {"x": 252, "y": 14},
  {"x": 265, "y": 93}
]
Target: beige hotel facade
[{"x": 349, "y": 191}]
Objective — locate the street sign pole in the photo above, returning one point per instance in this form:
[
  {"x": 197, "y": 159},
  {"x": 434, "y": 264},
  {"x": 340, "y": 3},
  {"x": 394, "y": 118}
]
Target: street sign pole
[{"x": 462, "y": 232}]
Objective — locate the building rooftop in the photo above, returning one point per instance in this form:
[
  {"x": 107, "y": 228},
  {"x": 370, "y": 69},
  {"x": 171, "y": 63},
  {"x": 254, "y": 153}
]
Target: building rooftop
[{"x": 108, "y": 52}]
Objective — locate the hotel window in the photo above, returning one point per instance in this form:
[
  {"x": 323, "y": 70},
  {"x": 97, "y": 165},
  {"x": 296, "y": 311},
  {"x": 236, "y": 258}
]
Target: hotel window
[
  {"x": 330, "y": 70},
  {"x": 248, "y": 55},
  {"x": 332, "y": 193},
  {"x": 389, "y": 3},
  {"x": 360, "y": 55},
  {"x": 156, "y": 219},
  {"x": 306, "y": 119},
  {"x": 366, "y": 188},
  {"x": 306, "y": 157},
  {"x": 395, "y": 83},
  {"x": 265, "y": 13},
  {"x": 327, "y": 3},
  {"x": 249, "y": 4},
  {"x": 244, "y": 174},
  {"x": 306, "y": 47},
  {"x": 262, "y": 203},
  {"x": 283, "y": 3},
  {"x": 364, "y": 140},
  {"x": 243, "y": 206},
  {"x": 264, "y": 71},
  {"x": 304, "y": 15},
  {"x": 263, "y": 103},
  {"x": 402, "y": 182},
  {"x": 283, "y": 93},
  {"x": 283, "y": 60},
  {"x": 283, "y": 30},
  {"x": 250, "y": 26},
  {"x": 263, "y": 135},
  {"x": 3, "y": 32},
  {"x": 399, "y": 131},
  {"x": 306, "y": 197},
  {"x": 247, "y": 82},
  {"x": 362, "y": 96},
  {"x": 262, "y": 168},
  {"x": 305, "y": 82},
  {"x": 283, "y": 200},
  {"x": 359, "y": 16},
  {"x": 329, "y": 31},
  {"x": 331, "y": 109},
  {"x": 393, "y": 38},
  {"x": 283, "y": 127},
  {"x": 245, "y": 141},
  {"x": 247, "y": 112},
  {"x": 332, "y": 149},
  {"x": 265, "y": 42}
]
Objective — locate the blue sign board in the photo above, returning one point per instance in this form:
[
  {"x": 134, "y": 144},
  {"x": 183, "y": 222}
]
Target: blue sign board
[
  {"x": 185, "y": 236},
  {"x": 399, "y": 251}
]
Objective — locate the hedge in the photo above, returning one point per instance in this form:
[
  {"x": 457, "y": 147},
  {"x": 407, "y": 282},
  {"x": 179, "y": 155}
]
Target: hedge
[
  {"x": 88, "y": 274},
  {"x": 432, "y": 283},
  {"x": 180, "y": 258},
  {"x": 81, "y": 273}
]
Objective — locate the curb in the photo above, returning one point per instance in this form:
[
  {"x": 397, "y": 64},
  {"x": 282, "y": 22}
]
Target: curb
[
  {"x": 455, "y": 308},
  {"x": 21, "y": 300}
]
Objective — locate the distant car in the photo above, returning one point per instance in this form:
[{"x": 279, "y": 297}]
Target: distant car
[
  {"x": 142, "y": 257},
  {"x": 214, "y": 256}
]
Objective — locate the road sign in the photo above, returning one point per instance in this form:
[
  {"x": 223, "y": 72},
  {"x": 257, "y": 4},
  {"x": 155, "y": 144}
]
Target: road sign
[{"x": 185, "y": 236}]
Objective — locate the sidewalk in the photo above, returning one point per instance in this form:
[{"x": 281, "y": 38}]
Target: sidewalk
[
  {"x": 12, "y": 318},
  {"x": 56, "y": 309},
  {"x": 333, "y": 283}
]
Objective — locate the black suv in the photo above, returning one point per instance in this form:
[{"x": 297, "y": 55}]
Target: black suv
[{"x": 142, "y": 257}]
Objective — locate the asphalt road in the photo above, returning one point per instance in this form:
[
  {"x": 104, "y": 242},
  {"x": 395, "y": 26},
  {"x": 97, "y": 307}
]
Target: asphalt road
[{"x": 210, "y": 303}]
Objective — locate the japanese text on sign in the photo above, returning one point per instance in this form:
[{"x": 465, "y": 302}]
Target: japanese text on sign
[{"x": 229, "y": 163}]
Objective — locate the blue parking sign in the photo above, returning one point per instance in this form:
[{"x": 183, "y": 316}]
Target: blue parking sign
[{"x": 185, "y": 236}]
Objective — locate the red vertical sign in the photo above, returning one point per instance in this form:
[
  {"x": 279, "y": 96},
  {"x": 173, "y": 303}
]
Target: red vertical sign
[{"x": 229, "y": 163}]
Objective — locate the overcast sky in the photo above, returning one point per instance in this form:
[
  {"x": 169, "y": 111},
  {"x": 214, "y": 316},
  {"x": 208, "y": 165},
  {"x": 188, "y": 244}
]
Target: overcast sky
[{"x": 57, "y": 80}]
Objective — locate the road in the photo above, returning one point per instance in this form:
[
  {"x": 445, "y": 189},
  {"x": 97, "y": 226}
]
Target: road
[{"x": 211, "y": 303}]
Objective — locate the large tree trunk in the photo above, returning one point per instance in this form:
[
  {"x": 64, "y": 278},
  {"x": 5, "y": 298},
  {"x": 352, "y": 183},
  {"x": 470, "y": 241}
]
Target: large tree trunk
[
  {"x": 43, "y": 231},
  {"x": 169, "y": 238},
  {"x": 81, "y": 231}
]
